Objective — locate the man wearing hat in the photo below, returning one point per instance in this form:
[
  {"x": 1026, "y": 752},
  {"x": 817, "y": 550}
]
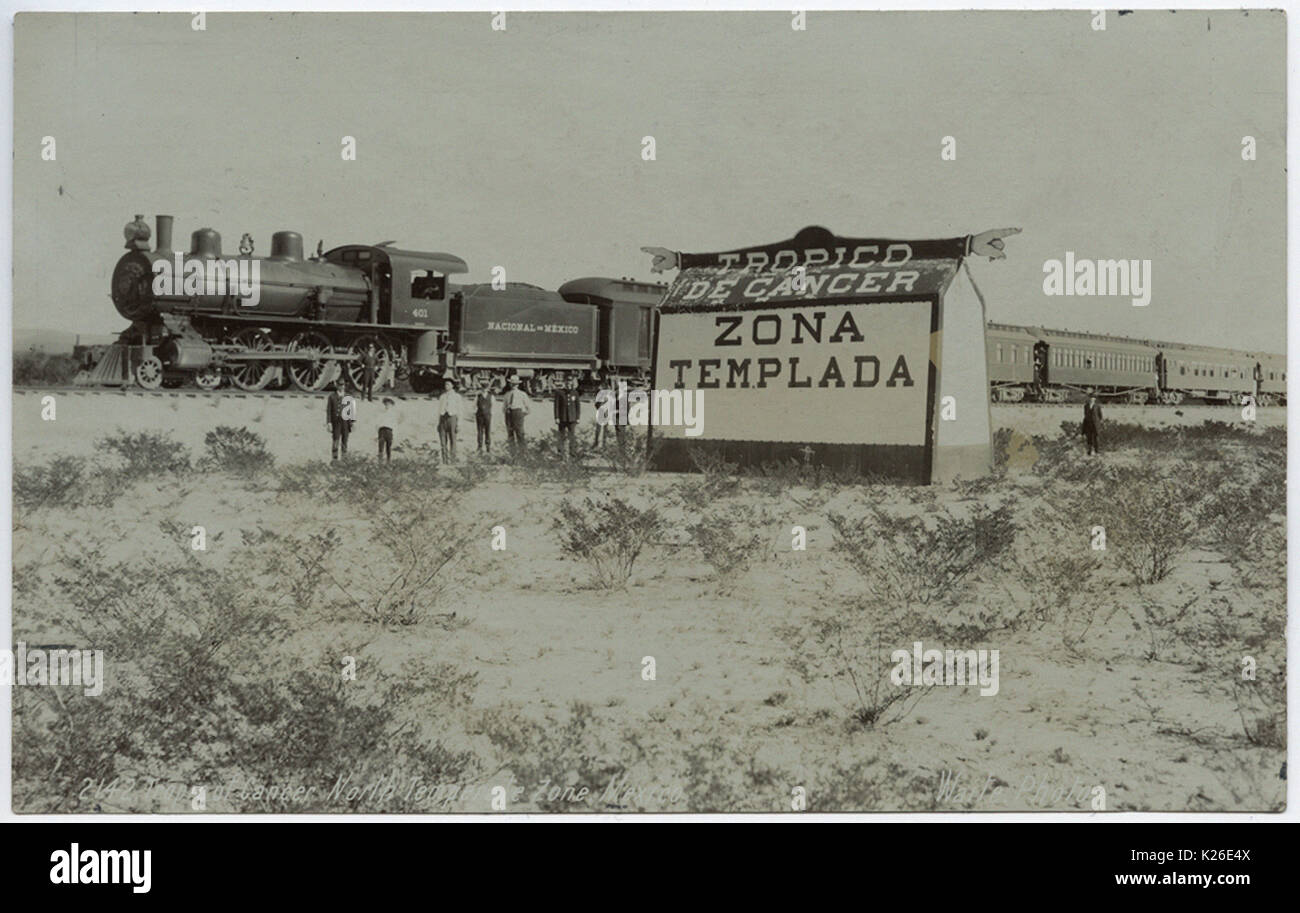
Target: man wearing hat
[
  {"x": 1092, "y": 423},
  {"x": 449, "y": 406},
  {"x": 568, "y": 412},
  {"x": 516, "y": 407},
  {"x": 483, "y": 417}
]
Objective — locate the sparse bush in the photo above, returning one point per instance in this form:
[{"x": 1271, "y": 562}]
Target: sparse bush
[
  {"x": 146, "y": 453},
  {"x": 204, "y": 689},
  {"x": 728, "y": 549},
  {"x": 1164, "y": 625},
  {"x": 1261, "y": 707},
  {"x": 366, "y": 482},
  {"x": 776, "y": 477},
  {"x": 609, "y": 534},
  {"x": 850, "y": 647},
  {"x": 922, "y": 559},
  {"x": 57, "y": 483},
  {"x": 716, "y": 479},
  {"x": 1059, "y": 589},
  {"x": 236, "y": 450},
  {"x": 570, "y": 765},
  {"x": 539, "y": 460},
  {"x": 1149, "y": 516},
  {"x": 410, "y": 552}
]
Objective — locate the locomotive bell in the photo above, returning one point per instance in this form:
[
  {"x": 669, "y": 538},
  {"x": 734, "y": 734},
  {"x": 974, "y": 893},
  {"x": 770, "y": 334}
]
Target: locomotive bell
[
  {"x": 286, "y": 245},
  {"x": 206, "y": 243}
]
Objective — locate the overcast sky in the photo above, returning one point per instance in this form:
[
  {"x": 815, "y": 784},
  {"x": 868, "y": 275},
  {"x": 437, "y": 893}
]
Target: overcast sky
[{"x": 522, "y": 148}]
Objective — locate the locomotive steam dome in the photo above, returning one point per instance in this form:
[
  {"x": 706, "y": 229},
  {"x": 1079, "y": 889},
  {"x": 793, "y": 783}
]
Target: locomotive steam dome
[
  {"x": 286, "y": 245},
  {"x": 206, "y": 243}
]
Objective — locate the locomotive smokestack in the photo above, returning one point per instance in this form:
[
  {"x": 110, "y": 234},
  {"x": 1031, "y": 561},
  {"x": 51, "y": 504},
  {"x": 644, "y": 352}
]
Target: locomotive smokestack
[{"x": 164, "y": 242}]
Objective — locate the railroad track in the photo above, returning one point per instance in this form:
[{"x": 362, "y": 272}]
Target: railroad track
[{"x": 192, "y": 392}]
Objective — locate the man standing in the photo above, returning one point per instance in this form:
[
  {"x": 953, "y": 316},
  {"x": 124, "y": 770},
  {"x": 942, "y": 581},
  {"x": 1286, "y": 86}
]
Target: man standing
[
  {"x": 340, "y": 414},
  {"x": 368, "y": 366},
  {"x": 387, "y": 427},
  {"x": 567, "y": 412},
  {"x": 1092, "y": 423},
  {"x": 449, "y": 408},
  {"x": 483, "y": 418},
  {"x": 516, "y": 407},
  {"x": 614, "y": 413}
]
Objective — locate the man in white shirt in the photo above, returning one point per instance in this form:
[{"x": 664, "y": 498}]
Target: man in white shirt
[
  {"x": 516, "y": 406},
  {"x": 449, "y": 409}
]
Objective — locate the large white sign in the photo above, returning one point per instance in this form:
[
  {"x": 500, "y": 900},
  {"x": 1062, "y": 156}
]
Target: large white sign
[{"x": 813, "y": 372}]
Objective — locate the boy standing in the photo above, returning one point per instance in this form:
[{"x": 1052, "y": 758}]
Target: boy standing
[{"x": 387, "y": 426}]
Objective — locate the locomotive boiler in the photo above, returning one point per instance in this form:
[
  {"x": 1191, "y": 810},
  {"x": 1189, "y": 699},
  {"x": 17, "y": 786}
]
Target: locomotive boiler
[{"x": 259, "y": 322}]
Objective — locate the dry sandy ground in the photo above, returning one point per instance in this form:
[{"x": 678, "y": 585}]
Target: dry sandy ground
[{"x": 540, "y": 637}]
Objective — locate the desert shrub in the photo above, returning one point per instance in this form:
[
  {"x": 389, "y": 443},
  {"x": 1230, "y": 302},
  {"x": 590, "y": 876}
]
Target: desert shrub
[
  {"x": 57, "y": 483},
  {"x": 236, "y": 450},
  {"x": 775, "y": 477},
  {"x": 1241, "y": 512},
  {"x": 925, "y": 558},
  {"x": 145, "y": 453},
  {"x": 634, "y": 457},
  {"x": 719, "y": 775},
  {"x": 411, "y": 552},
  {"x": 716, "y": 479},
  {"x": 609, "y": 534},
  {"x": 575, "y": 764},
  {"x": 853, "y": 786},
  {"x": 539, "y": 460},
  {"x": 728, "y": 546},
  {"x": 1261, "y": 707},
  {"x": 850, "y": 648},
  {"x": 365, "y": 482},
  {"x": 1059, "y": 590},
  {"x": 33, "y": 368},
  {"x": 203, "y": 688},
  {"x": 1164, "y": 625},
  {"x": 1149, "y": 514}
]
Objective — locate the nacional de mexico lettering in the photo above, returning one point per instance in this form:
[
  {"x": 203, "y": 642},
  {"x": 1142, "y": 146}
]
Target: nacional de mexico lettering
[{"x": 831, "y": 350}]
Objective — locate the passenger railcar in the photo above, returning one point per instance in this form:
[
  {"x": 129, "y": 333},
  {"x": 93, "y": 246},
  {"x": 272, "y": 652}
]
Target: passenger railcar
[
  {"x": 1012, "y": 376},
  {"x": 1198, "y": 372}
]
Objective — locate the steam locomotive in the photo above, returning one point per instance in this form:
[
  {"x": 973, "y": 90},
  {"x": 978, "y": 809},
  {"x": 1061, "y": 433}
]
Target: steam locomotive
[{"x": 287, "y": 319}]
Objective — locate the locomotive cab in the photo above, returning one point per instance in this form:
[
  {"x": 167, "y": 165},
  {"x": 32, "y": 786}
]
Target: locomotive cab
[{"x": 409, "y": 288}]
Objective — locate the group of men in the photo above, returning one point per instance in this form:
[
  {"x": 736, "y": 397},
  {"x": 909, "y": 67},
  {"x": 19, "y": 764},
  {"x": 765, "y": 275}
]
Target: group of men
[{"x": 341, "y": 417}]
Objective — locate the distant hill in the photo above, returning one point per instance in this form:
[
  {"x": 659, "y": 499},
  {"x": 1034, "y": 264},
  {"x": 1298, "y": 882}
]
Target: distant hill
[{"x": 55, "y": 341}]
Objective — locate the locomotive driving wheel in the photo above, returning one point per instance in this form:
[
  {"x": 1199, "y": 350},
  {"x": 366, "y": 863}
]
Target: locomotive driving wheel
[
  {"x": 149, "y": 373},
  {"x": 310, "y": 375},
  {"x": 251, "y": 375}
]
